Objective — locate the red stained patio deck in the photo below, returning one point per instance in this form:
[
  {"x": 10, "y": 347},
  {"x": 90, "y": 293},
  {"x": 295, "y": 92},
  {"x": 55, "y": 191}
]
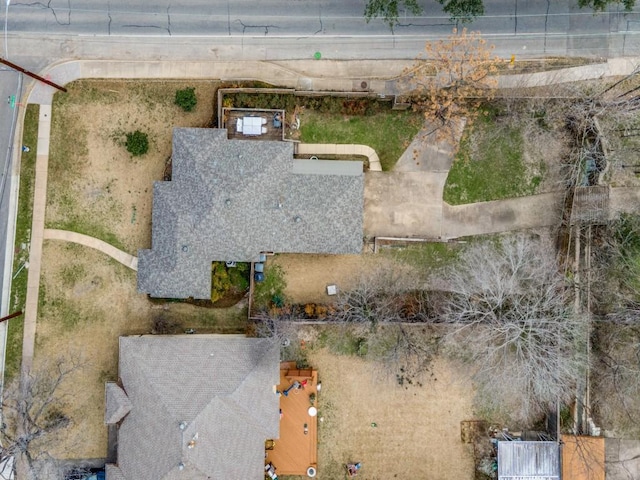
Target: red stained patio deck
[{"x": 294, "y": 452}]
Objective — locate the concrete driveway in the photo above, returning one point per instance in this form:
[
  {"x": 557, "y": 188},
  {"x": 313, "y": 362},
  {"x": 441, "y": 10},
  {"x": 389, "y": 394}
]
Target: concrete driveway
[
  {"x": 407, "y": 202},
  {"x": 399, "y": 204}
]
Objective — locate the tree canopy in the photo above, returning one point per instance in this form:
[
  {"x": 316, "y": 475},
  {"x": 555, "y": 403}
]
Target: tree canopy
[
  {"x": 601, "y": 5},
  {"x": 452, "y": 79},
  {"x": 509, "y": 307},
  {"x": 388, "y": 10},
  {"x": 463, "y": 11}
]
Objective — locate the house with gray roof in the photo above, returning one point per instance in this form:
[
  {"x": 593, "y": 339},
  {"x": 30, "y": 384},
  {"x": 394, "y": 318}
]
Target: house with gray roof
[
  {"x": 193, "y": 407},
  {"x": 230, "y": 200}
]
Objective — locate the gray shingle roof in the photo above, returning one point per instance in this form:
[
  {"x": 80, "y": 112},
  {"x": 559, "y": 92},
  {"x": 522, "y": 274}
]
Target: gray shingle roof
[
  {"x": 229, "y": 200},
  {"x": 117, "y": 403},
  {"x": 220, "y": 387}
]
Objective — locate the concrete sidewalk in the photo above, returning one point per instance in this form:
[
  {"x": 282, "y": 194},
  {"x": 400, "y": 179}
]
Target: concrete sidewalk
[
  {"x": 66, "y": 236},
  {"x": 342, "y": 149},
  {"x": 382, "y": 76},
  {"x": 37, "y": 237}
]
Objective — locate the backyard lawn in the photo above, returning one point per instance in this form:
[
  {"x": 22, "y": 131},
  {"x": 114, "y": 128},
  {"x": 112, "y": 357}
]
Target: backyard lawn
[{"x": 389, "y": 133}]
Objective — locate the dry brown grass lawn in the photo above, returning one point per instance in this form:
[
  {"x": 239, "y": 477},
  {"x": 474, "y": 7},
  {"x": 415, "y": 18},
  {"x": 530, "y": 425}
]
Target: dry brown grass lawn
[
  {"x": 95, "y": 186},
  {"x": 417, "y": 432},
  {"x": 87, "y": 302},
  {"x": 307, "y": 275}
]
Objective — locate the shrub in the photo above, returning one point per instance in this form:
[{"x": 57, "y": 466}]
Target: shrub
[
  {"x": 220, "y": 281},
  {"x": 137, "y": 143},
  {"x": 186, "y": 99}
]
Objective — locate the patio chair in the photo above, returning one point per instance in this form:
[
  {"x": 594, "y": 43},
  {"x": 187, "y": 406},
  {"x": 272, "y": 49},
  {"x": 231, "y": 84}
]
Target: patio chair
[
  {"x": 352, "y": 469},
  {"x": 264, "y": 129},
  {"x": 263, "y": 120}
]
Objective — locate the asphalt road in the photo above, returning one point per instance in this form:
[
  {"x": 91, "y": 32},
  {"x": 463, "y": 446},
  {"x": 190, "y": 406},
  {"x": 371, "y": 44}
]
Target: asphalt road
[
  {"x": 9, "y": 85},
  {"x": 40, "y": 33},
  {"x": 294, "y": 17}
]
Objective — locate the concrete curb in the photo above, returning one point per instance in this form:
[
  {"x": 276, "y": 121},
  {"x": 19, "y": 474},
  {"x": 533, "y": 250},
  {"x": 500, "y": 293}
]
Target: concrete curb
[
  {"x": 342, "y": 149},
  {"x": 65, "y": 235}
]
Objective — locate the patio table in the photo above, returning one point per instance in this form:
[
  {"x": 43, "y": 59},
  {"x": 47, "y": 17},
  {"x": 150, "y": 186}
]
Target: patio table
[{"x": 252, "y": 126}]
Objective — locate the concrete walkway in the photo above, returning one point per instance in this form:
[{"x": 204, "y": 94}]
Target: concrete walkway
[
  {"x": 342, "y": 149},
  {"x": 37, "y": 237},
  {"x": 66, "y": 236}
]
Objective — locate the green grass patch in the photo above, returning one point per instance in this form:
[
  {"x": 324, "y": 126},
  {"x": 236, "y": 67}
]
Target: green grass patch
[
  {"x": 67, "y": 313},
  {"x": 271, "y": 290},
  {"x": 423, "y": 255},
  {"x": 389, "y": 133},
  {"x": 489, "y": 165},
  {"x": 342, "y": 340},
  {"x": 23, "y": 237}
]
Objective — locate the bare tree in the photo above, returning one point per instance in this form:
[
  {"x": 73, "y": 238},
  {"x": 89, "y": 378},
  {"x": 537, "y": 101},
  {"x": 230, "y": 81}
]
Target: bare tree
[
  {"x": 452, "y": 79},
  {"x": 33, "y": 413},
  {"x": 616, "y": 376},
  {"x": 405, "y": 351},
  {"x": 508, "y": 306},
  {"x": 377, "y": 297}
]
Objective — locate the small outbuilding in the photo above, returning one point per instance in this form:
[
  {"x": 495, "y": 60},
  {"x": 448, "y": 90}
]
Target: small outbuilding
[{"x": 528, "y": 460}]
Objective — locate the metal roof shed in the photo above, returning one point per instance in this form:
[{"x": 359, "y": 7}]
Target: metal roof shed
[{"x": 528, "y": 461}]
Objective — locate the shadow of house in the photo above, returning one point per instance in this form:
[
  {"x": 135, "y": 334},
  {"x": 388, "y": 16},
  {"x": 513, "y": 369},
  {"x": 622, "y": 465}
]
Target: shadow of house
[
  {"x": 193, "y": 407},
  {"x": 229, "y": 200}
]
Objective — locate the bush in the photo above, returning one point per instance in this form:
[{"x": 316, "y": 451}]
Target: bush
[
  {"x": 186, "y": 99},
  {"x": 137, "y": 143},
  {"x": 228, "y": 279}
]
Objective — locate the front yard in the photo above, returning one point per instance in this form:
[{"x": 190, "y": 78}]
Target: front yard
[
  {"x": 95, "y": 186},
  {"x": 389, "y": 133}
]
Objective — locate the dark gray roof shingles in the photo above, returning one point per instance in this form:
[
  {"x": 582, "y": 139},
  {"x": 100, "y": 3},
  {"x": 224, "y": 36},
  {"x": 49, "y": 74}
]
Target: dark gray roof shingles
[
  {"x": 220, "y": 386},
  {"x": 229, "y": 200}
]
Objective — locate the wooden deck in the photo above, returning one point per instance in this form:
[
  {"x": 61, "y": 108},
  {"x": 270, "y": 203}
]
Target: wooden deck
[
  {"x": 294, "y": 452},
  {"x": 272, "y": 133}
]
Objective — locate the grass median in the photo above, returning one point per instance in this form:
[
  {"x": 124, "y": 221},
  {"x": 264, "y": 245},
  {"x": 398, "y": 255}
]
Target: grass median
[{"x": 22, "y": 241}]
